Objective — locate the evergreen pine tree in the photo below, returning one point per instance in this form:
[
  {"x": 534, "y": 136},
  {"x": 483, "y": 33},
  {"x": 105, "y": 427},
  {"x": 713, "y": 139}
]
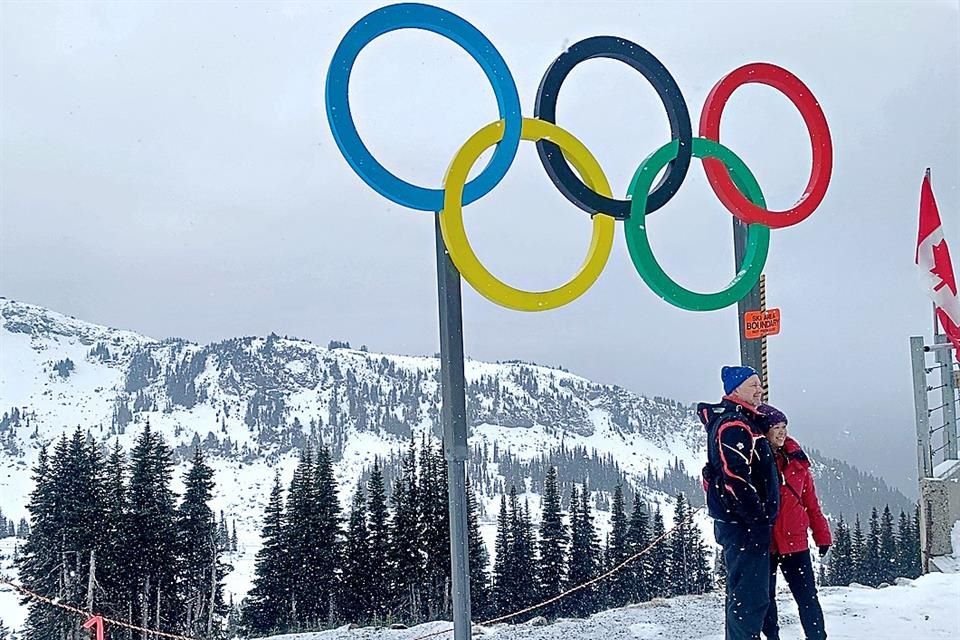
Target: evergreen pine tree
[
  {"x": 355, "y": 605},
  {"x": 200, "y": 572},
  {"x": 572, "y": 604},
  {"x": 152, "y": 532},
  {"x": 267, "y": 607},
  {"x": 67, "y": 508},
  {"x": 638, "y": 537},
  {"x": 503, "y": 587},
  {"x": 888, "y": 548},
  {"x": 701, "y": 581},
  {"x": 435, "y": 523},
  {"x": 300, "y": 529},
  {"x": 553, "y": 544},
  {"x": 903, "y": 545},
  {"x": 113, "y": 562},
  {"x": 379, "y": 528},
  {"x": 328, "y": 544},
  {"x": 915, "y": 551},
  {"x": 842, "y": 559},
  {"x": 80, "y": 485},
  {"x": 479, "y": 558},
  {"x": 617, "y": 586},
  {"x": 872, "y": 569},
  {"x": 405, "y": 544},
  {"x": 660, "y": 558},
  {"x": 858, "y": 549},
  {"x": 39, "y": 561},
  {"x": 522, "y": 553},
  {"x": 234, "y": 545},
  {"x": 585, "y": 559},
  {"x": 681, "y": 566}
]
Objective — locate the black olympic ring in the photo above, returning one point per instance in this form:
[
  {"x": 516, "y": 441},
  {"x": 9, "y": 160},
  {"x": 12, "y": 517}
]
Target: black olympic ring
[{"x": 565, "y": 179}]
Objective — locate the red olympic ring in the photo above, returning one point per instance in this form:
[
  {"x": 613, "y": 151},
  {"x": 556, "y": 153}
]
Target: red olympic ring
[{"x": 816, "y": 123}]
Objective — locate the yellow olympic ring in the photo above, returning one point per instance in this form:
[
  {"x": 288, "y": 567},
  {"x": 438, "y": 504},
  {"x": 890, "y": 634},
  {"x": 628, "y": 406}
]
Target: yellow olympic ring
[{"x": 455, "y": 236}]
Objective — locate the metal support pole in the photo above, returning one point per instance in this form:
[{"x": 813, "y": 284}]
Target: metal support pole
[
  {"x": 750, "y": 350},
  {"x": 949, "y": 398},
  {"x": 454, "y": 417},
  {"x": 921, "y": 407}
]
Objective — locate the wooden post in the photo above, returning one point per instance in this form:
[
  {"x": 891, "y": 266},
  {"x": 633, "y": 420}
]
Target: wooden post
[{"x": 764, "y": 370}]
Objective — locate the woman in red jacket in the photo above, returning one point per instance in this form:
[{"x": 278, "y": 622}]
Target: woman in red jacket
[{"x": 799, "y": 512}]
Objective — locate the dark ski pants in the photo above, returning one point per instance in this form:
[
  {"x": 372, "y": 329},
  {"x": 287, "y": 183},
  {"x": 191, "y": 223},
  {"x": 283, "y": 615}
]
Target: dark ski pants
[
  {"x": 798, "y": 570},
  {"x": 746, "y": 552}
]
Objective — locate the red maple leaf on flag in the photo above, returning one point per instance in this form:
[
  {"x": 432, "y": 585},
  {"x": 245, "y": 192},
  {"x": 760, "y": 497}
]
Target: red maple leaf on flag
[
  {"x": 942, "y": 267},
  {"x": 933, "y": 265}
]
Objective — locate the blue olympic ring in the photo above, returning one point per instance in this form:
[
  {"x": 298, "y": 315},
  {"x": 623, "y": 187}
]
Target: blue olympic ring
[{"x": 455, "y": 28}]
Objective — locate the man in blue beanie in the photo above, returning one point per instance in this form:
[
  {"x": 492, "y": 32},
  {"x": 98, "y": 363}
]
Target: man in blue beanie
[{"x": 743, "y": 497}]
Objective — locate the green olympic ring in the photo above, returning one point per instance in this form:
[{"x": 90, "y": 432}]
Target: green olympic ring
[{"x": 758, "y": 235}]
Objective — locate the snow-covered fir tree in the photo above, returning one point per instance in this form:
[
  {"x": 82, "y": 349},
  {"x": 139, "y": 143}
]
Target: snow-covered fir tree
[
  {"x": 378, "y": 526},
  {"x": 553, "y": 545},
  {"x": 267, "y": 606},
  {"x": 356, "y": 591}
]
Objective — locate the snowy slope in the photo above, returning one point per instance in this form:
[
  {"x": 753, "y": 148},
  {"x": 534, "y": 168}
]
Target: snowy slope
[{"x": 253, "y": 401}]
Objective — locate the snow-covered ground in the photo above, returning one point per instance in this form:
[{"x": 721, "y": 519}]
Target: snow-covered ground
[{"x": 924, "y": 609}]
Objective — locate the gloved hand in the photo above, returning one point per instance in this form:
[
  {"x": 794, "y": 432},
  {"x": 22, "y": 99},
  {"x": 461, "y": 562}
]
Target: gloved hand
[
  {"x": 707, "y": 472},
  {"x": 706, "y": 477},
  {"x": 823, "y": 549}
]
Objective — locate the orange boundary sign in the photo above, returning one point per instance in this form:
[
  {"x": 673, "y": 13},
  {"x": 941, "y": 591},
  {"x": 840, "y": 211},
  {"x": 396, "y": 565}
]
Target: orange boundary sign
[{"x": 758, "y": 324}]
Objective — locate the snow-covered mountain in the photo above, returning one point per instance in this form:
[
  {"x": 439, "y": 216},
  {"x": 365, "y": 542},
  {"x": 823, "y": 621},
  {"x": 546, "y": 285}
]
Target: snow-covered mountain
[{"x": 253, "y": 402}]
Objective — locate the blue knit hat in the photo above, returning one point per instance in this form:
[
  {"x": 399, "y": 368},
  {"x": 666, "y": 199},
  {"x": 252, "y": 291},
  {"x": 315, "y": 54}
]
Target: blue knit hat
[{"x": 733, "y": 377}]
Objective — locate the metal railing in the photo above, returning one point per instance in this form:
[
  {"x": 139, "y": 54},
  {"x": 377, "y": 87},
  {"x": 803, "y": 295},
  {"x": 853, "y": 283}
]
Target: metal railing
[{"x": 937, "y": 424}]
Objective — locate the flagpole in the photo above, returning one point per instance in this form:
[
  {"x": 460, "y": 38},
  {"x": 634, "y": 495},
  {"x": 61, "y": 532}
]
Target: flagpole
[{"x": 936, "y": 324}]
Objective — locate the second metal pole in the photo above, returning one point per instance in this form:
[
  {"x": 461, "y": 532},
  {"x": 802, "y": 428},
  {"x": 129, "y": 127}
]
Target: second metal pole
[
  {"x": 921, "y": 406},
  {"x": 454, "y": 417},
  {"x": 750, "y": 350}
]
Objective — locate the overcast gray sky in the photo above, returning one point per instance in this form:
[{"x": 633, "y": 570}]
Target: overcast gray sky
[{"x": 168, "y": 168}]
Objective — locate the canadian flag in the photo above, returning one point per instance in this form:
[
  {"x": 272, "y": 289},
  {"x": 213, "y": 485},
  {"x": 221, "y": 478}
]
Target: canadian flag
[{"x": 934, "y": 267}]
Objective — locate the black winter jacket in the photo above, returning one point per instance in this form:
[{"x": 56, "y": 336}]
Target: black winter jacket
[{"x": 741, "y": 477}]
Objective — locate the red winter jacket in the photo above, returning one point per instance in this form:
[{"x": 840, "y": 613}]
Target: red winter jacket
[{"x": 799, "y": 506}]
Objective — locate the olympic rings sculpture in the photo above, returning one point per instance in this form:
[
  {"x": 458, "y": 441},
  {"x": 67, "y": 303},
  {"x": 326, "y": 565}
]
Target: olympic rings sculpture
[{"x": 729, "y": 178}]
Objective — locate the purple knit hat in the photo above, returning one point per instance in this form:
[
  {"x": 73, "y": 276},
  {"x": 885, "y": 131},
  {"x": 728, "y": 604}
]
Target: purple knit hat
[{"x": 769, "y": 416}]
